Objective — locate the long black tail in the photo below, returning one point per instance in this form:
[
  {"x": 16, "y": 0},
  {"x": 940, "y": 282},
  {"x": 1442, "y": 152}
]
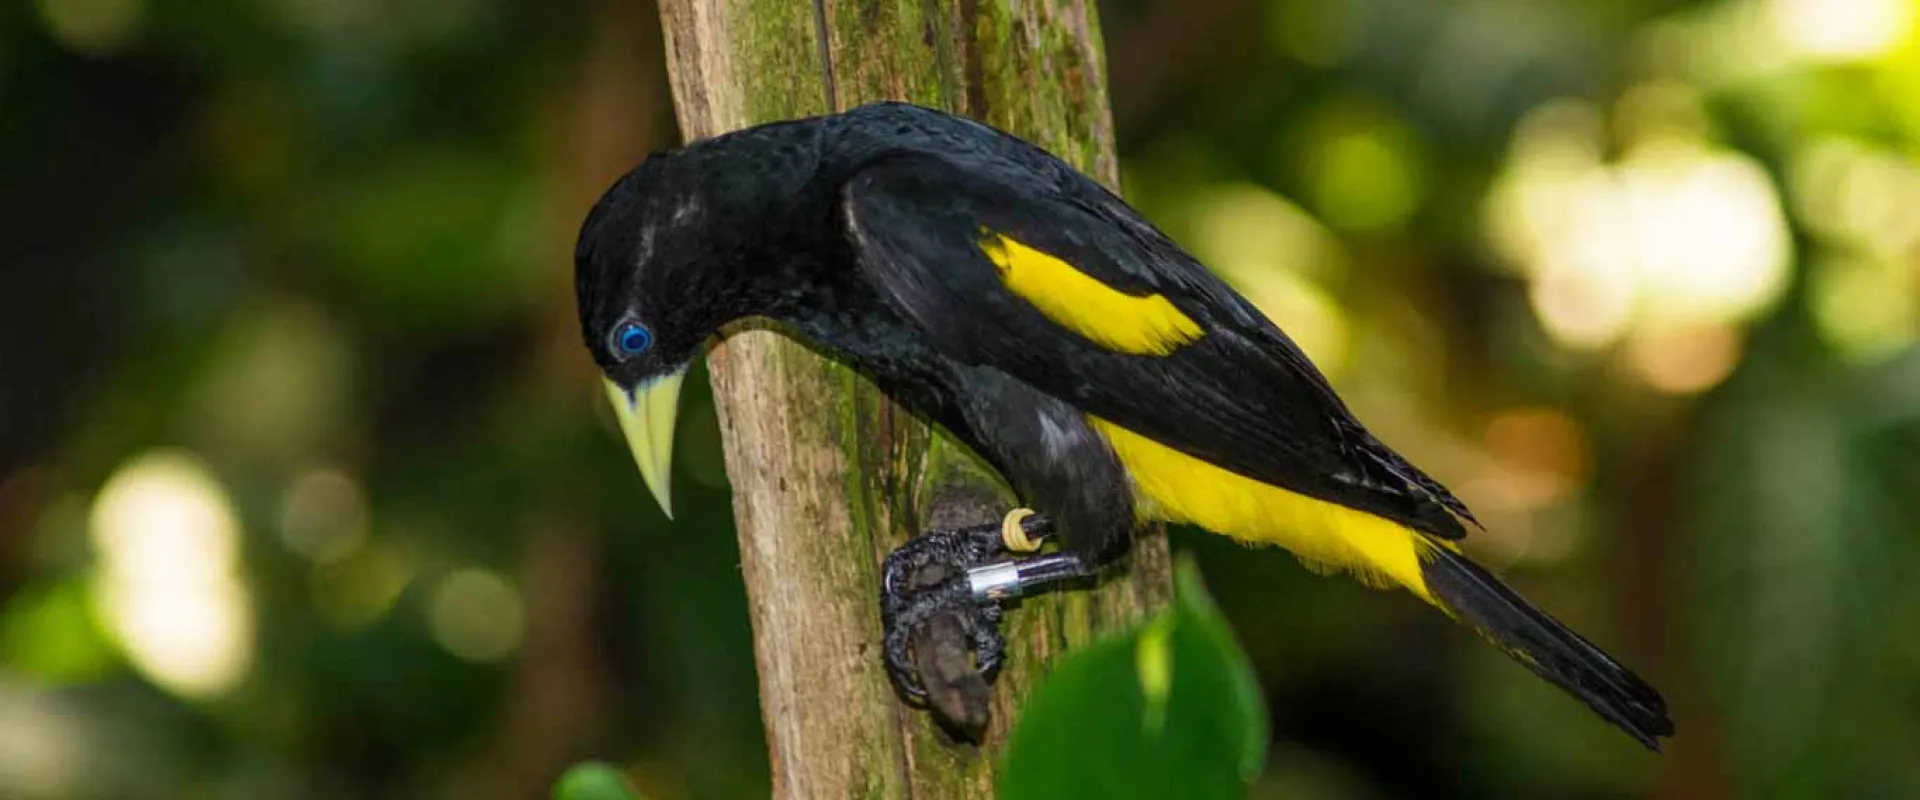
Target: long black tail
[{"x": 1545, "y": 646}]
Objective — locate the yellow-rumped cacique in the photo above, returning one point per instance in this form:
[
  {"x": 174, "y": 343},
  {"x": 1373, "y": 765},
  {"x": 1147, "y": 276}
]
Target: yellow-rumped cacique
[{"x": 1106, "y": 374}]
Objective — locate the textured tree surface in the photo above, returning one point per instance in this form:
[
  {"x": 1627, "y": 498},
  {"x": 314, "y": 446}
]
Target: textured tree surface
[{"x": 828, "y": 475}]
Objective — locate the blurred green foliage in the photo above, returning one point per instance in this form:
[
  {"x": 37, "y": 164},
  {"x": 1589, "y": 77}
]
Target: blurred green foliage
[
  {"x": 593, "y": 781},
  {"x": 306, "y": 489}
]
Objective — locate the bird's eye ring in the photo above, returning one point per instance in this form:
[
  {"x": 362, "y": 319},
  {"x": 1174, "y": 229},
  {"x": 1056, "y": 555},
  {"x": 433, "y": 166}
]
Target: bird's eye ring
[{"x": 631, "y": 339}]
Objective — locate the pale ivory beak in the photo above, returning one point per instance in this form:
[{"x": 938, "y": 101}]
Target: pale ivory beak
[{"x": 646, "y": 417}]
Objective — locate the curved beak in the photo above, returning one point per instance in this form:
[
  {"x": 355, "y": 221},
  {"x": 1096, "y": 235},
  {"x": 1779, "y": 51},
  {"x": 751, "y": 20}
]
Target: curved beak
[{"x": 646, "y": 417}]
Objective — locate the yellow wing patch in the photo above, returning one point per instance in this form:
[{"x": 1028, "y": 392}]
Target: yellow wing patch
[
  {"x": 1175, "y": 487},
  {"x": 1115, "y": 320}
]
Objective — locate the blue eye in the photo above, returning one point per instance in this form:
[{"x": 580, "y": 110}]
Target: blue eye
[{"x": 632, "y": 339}]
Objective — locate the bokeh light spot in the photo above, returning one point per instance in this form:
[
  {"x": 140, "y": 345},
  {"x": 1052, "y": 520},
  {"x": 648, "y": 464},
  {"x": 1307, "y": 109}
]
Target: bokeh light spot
[
  {"x": 1712, "y": 244},
  {"x": 1544, "y": 443},
  {"x": 1535, "y": 202},
  {"x": 1866, "y": 308},
  {"x": 477, "y": 615},
  {"x": 42, "y": 746},
  {"x": 1676, "y": 235},
  {"x": 1318, "y": 34},
  {"x": 1584, "y": 299},
  {"x": 323, "y": 515},
  {"x": 1537, "y": 457},
  {"x": 93, "y": 27},
  {"x": 1363, "y": 172},
  {"x": 1684, "y": 360},
  {"x": 1841, "y": 30},
  {"x": 168, "y": 545},
  {"x": 279, "y": 384},
  {"x": 1239, "y": 228},
  {"x": 361, "y": 587},
  {"x": 1659, "y": 111},
  {"x": 1857, "y": 195}
]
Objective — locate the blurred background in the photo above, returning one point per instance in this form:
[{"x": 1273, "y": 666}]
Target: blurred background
[{"x": 307, "y": 491}]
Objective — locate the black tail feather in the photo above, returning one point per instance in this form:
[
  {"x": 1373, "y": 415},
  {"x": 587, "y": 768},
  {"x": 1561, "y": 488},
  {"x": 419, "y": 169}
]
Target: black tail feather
[{"x": 1545, "y": 646}]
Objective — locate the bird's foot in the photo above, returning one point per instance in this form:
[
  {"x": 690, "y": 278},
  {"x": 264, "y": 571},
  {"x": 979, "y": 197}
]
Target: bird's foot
[{"x": 942, "y": 634}]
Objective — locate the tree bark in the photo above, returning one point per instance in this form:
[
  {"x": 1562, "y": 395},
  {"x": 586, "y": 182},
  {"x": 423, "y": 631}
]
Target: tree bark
[{"x": 828, "y": 475}]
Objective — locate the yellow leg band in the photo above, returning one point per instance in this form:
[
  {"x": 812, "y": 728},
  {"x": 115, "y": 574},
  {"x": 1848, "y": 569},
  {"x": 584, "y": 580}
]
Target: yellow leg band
[{"x": 1014, "y": 536}]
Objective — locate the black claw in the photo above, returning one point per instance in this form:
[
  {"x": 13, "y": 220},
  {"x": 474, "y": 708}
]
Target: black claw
[
  {"x": 952, "y": 597},
  {"x": 926, "y": 577},
  {"x": 899, "y": 665}
]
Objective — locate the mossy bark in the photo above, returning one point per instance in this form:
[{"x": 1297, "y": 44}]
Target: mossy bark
[{"x": 828, "y": 475}]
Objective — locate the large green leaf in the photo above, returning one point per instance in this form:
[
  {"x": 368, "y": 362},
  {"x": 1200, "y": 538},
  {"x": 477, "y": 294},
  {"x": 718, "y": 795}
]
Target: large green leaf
[{"x": 1167, "y": 709}]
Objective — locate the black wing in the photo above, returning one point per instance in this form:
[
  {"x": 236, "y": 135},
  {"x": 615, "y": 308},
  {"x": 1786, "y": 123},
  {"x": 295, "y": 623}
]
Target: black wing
[{"x": 1241, "y": 396}]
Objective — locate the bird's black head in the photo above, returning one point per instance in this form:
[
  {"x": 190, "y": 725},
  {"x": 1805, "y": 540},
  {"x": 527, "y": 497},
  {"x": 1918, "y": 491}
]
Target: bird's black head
[
  {"x": 640, "y": 250},
  {"x": 691, "y": 240},
  {"x": 685, "y": 243}
]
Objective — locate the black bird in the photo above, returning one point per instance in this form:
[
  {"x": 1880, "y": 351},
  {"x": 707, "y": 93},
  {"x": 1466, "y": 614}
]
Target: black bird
[{"x": 1103, "y": 371}]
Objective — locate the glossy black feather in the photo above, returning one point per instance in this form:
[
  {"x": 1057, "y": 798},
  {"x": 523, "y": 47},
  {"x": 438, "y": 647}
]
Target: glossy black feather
[
  {"x": 1243, "y": 396},
  {"x": 1548, "y": 648}
]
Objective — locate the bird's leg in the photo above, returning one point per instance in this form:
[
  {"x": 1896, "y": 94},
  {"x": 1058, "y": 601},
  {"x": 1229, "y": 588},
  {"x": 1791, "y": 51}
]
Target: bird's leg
[
  {"x": 961, "y": 573},
  {"x": 1008, "y": 580}
]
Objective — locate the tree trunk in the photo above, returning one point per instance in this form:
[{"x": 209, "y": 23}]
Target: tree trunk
[{"x": 828, "y": 475}]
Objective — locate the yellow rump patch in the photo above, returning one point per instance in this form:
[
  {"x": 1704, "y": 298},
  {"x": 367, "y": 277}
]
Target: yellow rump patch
[
  {"x": 1175, "y": 487},
  {"x": 1110, "y": 318}
]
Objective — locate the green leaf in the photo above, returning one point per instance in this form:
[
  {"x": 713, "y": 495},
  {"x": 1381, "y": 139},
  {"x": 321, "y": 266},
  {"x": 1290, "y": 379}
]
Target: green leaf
[
  {"x": 594, "y": 781},
  {"x": 1167, "y": 709}
]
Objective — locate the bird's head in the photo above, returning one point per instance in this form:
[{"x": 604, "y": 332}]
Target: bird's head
[
  {"x": 673, "y": 251},
  {"x": 637, "y": 256}
]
